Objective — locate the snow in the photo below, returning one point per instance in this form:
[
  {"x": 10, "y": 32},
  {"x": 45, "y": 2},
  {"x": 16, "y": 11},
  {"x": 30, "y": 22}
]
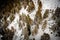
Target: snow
[{"x": 47, "y": 4}]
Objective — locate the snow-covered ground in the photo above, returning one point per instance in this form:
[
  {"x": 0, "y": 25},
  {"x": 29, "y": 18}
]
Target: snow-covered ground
[{"x": 46, "y": 4}]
